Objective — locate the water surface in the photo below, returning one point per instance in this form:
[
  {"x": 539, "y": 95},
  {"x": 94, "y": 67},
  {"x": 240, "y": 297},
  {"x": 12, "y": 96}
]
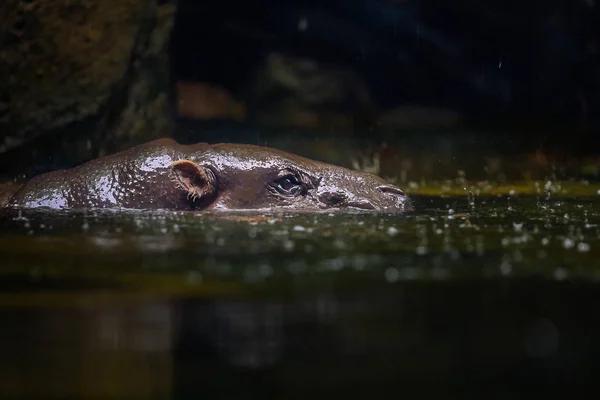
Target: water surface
[{"x": 481, "y": 294}]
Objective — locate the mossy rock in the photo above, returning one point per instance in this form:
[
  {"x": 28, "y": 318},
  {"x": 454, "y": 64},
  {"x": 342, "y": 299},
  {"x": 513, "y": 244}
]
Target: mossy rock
[{"x": 61, "y": 60}]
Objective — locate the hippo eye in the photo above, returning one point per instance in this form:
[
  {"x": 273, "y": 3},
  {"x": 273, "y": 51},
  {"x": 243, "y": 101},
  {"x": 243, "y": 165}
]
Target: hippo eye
[{"x": 288, "y": 185}]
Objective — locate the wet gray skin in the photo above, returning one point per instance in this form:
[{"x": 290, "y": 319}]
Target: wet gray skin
[{"x": 166, "y": 175}]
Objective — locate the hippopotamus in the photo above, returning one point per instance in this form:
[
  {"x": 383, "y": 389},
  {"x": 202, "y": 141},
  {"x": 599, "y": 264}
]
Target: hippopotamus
[{"x": 163, "y": 174}]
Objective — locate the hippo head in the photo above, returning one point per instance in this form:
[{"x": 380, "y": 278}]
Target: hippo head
[{"x": 240, "y": 176}]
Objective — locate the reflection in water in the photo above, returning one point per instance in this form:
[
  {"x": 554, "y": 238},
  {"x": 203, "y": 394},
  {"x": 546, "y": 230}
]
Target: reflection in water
[
  {"x": 509, "y": 336},
  {"x": 443, "y": 302}
]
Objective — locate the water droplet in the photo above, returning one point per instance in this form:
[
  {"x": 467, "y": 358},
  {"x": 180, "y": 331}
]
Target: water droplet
[
  {"x": 583, "y": 247},
  {"x": 560, "y": 274},
  {"x": 392, "y": 231},
  {"x": 392, "y": 274},
  {"x": 505, "y": 267},
  {"x": 302, "y": 24},
  {"x": 194, "y": 277},
  {"x": 568, "y": 243},
  {"x": 335, "y": 264},
  {"x": 340, "y": 244},
  {"x": 265, "y": 270},
  {"x": 421, "y": 250}
]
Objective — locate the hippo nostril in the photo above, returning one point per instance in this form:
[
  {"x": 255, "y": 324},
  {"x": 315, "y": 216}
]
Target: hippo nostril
[
  {"x": 333, "y": 199},
  {"x": 391, "y": 189}
]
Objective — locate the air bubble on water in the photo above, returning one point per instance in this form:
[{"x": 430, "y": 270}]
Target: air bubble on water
[
  {"x": 440, "y": 273},
  {"x": 265, "y": 270},
  {"x": 271, "y": 221},
  {"x": 359, "y": 262},
  {"x": 163, "y": 230},
  {"x": 421, "y": 250},
  {"x": 451, "y": 211},
  {"x": 296, "y": 267},
  {"x": 560, "y": 274},
  {"x": 505, "y": 267},
  {"x": 568, "y": 243},
  {"x": 299, "y": 228},
  {"x": 335, "y": 264},
  {"x": 340, "y": 244},
  {"x": 105, "y": 242},
  {"x": 302, "y": 24},
  {"x": 392, "y": 274},
  {"x": 505, "y": 241},
  {"x": 42, "y": 226},
  {"x": 583, "y": 247},
  {"x": 288, "y": 245},
  {"x": 26, "y": 225},
  {"x": 479, "y": 246},
  {"x": 252, "y": 276},
  {"x": 20, "y": 217},
  {"x": 545, "y": 241},
  {"x": 439, "y": 231},
  {"x": 518, "y": 226},
  {"x": 176, "y": 228},
  {"x": 517, "y": 256},
  {"x": 541, "y": 254},
  {"x": 410, "y": 273},
  {"x": 224, "y": 268},
  {"x": 331, "y": 215},
  {"x": 471, "y": 199},
  {"x": 392, "y": 231},
  {"x": 194, "y": 277}
]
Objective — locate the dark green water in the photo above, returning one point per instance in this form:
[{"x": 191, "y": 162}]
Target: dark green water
[{"x": 491, "y": 299}]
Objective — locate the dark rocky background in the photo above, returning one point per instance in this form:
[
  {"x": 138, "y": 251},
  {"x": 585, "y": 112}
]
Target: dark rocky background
[{"x": 86, "y": 78}]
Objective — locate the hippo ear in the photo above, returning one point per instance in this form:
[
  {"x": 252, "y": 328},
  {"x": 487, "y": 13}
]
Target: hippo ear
[{"x": 197, "y": 181}]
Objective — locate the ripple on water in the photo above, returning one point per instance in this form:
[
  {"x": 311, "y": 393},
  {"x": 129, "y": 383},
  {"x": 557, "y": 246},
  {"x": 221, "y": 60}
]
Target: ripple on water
[{"x": 485, "y": 241}]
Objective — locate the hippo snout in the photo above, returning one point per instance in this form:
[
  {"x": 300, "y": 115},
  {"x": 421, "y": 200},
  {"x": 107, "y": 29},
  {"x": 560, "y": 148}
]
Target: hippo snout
[
  {"x": 395, "y": 196},
  {"x": 384, "y": 197}
]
